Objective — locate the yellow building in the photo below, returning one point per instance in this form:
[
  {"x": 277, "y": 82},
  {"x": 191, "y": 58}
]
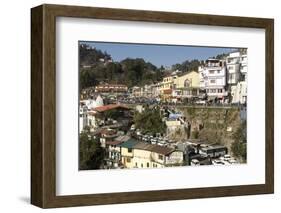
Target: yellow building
[
  {"x": 191, "y": 79},
  {"x": 166, "y": 87},
  {"x": 146, "y": 155},
  {"x": 183, "y": 86},
  {"x": 186, "y": 85},
  {"x": 127, "y": 152}
]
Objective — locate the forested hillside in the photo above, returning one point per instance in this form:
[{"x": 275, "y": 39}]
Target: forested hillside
[{"x": 98, "y": 67}]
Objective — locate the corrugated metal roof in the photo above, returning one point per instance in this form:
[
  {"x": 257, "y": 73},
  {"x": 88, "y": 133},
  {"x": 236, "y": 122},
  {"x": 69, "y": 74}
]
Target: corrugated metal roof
[{"x": 129, "y": 143}]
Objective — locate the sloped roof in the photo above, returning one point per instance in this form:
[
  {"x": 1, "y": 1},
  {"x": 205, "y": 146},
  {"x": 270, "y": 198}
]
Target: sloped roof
[
  {"x": 129, "y": 143},
  {"x": 154, "y": 148},
  {"x": 123, "y": 138},
  {"x": 110, "y": 107},
  {"x": 113, "y": 142}
]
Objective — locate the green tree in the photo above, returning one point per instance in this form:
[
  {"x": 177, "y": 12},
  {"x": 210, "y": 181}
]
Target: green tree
[
  {"x": 187, "y": 66},
  {"x": 91, "y": 154},
  {"x": 89, "y": 55},
  {"x": 150, "y": 121},
  {"x": 239, "y": 146}
]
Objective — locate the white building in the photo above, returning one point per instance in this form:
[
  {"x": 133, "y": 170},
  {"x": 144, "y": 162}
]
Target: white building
[
  {"x": 239, "y": 93},
  {"x": 92, "y": 103},
  {"x": 83, "y": 118},
  {"x": 237, "y": 76},
  {"x": 244, "y": 67},
  {"x": 212, "y": 78},
  {"x": 233, "y": 68},
  {"x": 87, "y": 117}
]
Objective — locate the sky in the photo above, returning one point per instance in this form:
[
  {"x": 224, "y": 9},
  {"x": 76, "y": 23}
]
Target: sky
[{"x": 158, "y": 55}]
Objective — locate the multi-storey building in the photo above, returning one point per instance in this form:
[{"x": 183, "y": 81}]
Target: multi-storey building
[
  {"x": 154, "y": 156},
  {"x": 186, "y": 85},
  {"x": 136, "y": 91},
  {"x": 233, "y": 68},
  {"x": 111, "y": 88},
  {"x": 155, "y": 89},
  {"x": 244, "y": 67},
  {"x": 213, "y": 79},
  {"x": 167, "y": 84},
  {"x": 146, "y": 91},
  {"x": 237, "y": 78}
]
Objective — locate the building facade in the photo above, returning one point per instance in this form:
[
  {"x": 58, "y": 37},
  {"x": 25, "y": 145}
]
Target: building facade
[
  {"x": 213, "y": 79},
  {"x": 237, "y": 66},
  {"x": 111, "y": 88},
  {"x": 186, "y": 85}
]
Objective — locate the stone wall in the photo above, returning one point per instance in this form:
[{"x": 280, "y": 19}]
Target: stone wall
[{"x": 215, "y": 125}]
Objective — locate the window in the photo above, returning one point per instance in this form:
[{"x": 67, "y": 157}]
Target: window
[
  {"x": 141, "y": 165},
  {"x": 128, "y": 160},
  {"x": 219, "y": 90},
  {"x": 243, "y": 77},
  {"x": 147, "y": 165},
  {"x": 130, "y": 150},
  {"x": 230, "y": 68},
  {"x": 136, "y": 164},
  {"x": 213, "y": 81},
  {"x": 186, "y": 83},
  {"x": 160, "y": 157},
  {"x": 211, "y": 71},
  {"x": 218, "y": 71}
]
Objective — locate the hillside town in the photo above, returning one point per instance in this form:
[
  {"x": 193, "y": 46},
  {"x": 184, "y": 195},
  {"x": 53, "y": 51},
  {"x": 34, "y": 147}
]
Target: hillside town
[{"x": 146, "y": 126}]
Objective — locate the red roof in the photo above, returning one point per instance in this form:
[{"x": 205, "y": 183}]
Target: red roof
[
  {"x": 110, "y": 107},
  {"x": 108, "y": 131}
]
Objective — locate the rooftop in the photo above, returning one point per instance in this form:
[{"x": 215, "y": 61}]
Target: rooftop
[
  {"x": 122, "y": 138},
  {"x": 154, "y": 148},
  {"x": 110, "y": 107},
  {"x": 111, "y": 85},
  {"x": 108, "y": 131},
  {"x": 113, "y": 142},
  {"x": 129, "y": 143}
]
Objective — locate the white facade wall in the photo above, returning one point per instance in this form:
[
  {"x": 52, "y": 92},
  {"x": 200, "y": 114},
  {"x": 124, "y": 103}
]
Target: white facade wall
[
  {"x": 239, "y": 85},
  {"x": 83, "y": 119},
  {"x": 233, "y": 67},
  {"x": 213, "y": 79},
  {"x": 175, "y": 157},
  {"x": 244, "y": 66},
  {"x": 239, "y": 93}
]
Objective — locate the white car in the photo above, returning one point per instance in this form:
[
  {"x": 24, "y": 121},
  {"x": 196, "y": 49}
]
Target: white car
[
  {"x": 227, "y": 157},
  {"x": 194, "y": 162},
  {"x": 217, "y": 162},
  {"x": 232, "y": 161}
]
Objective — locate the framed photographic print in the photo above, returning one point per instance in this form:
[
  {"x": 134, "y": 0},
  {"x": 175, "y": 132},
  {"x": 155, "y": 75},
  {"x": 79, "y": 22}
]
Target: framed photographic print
[{"x": 136, "y": 106}]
